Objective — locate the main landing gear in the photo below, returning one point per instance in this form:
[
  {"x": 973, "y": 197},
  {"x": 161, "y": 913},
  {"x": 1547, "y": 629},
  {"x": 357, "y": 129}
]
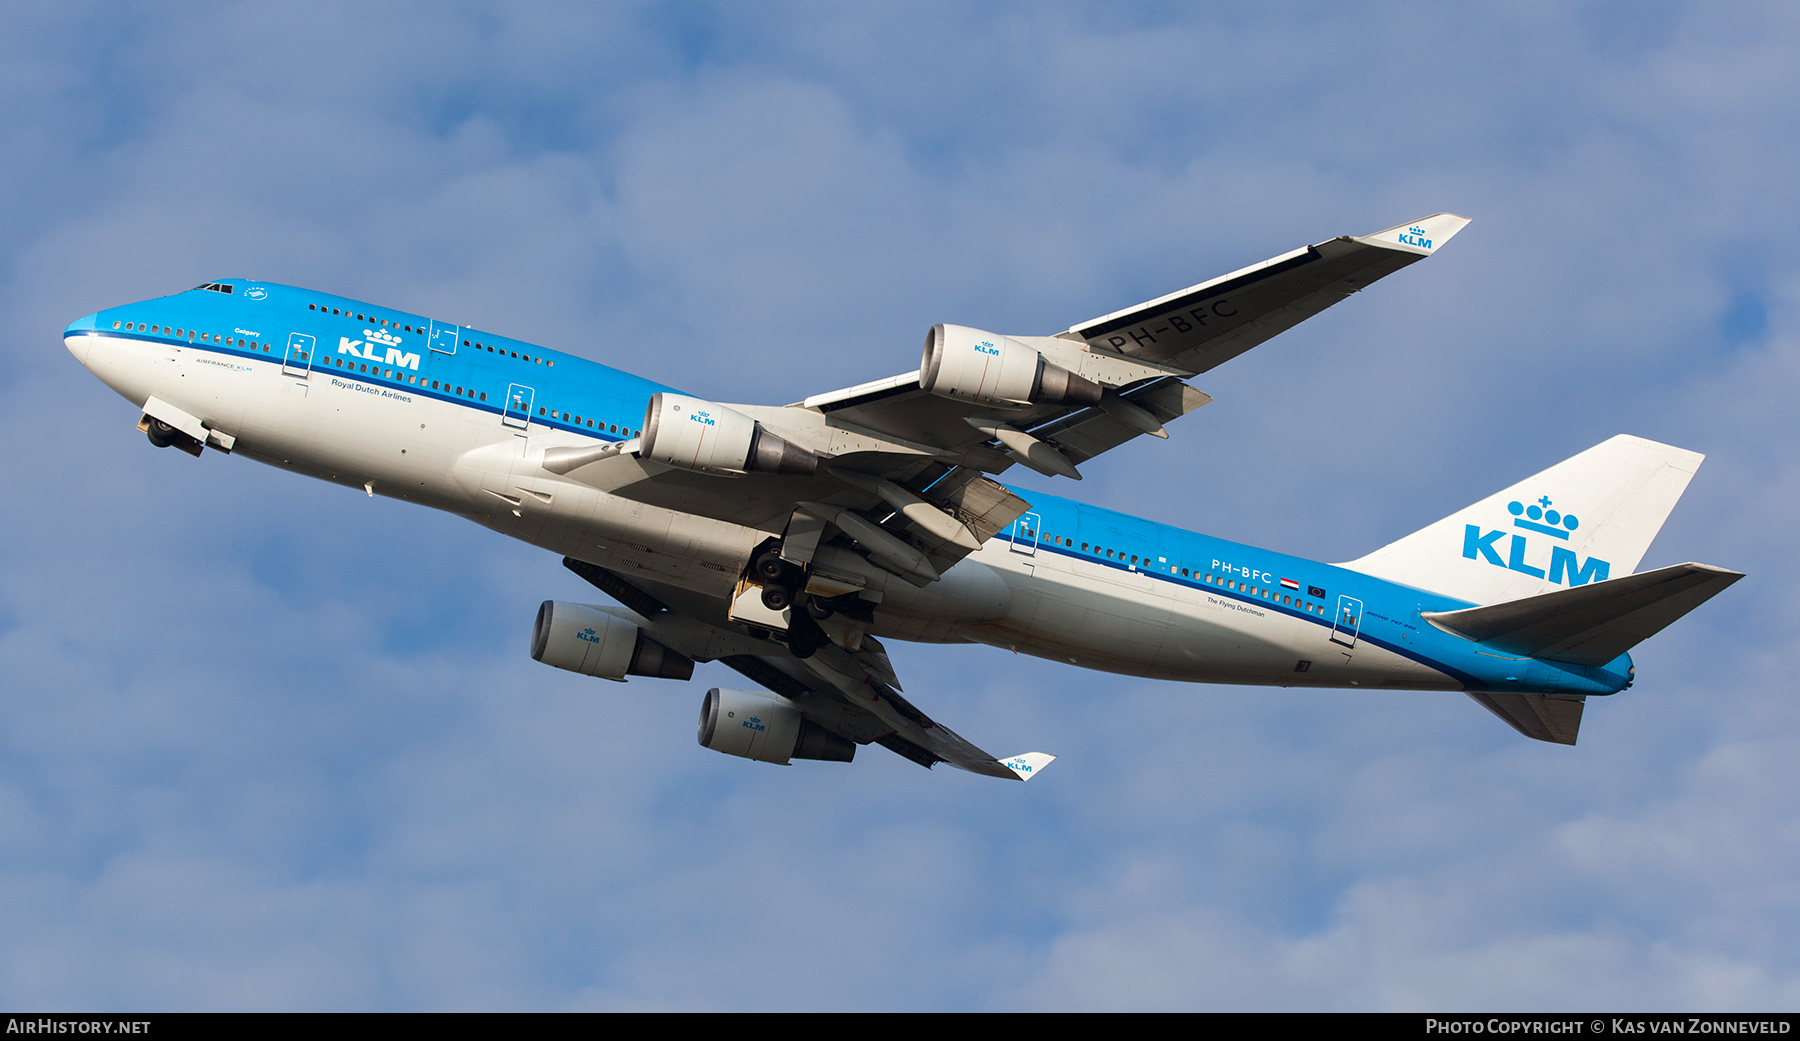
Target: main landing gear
[
  {"x": 783, "y": 587},
  {"x": 780, "y": 579}
]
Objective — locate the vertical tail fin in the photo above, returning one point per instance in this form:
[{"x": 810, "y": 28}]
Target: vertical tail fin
[{"x": 1586, "y": 519}]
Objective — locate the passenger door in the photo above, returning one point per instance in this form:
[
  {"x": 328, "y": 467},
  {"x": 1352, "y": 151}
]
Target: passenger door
[
  {"x": 518, "y": 406},
  {"x": 298, "y": 359},
  {"x": 1348, "y": 621},
  {"x": 444, "y": 337},
  {"x": 1025, "y": 532}
]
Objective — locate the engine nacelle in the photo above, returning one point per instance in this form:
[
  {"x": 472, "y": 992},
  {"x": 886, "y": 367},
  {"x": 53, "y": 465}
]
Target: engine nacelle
[
  {"x": 587, "y": 640},
  {"x": 990, "y": 369},
  {"x": 700, "y": 435},
  {"x": 764, "y": 727}
]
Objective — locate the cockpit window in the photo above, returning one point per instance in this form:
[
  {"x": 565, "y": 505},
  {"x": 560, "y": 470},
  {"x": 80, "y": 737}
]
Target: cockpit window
[{"x": 217, "y": 287}]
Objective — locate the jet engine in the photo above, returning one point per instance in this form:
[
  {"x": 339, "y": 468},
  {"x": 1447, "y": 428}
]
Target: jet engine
[
  {"x": 990, "y": 369},
  {"x": 761, "y": 726},
  {"x": 700, "y": 435},
  {"x": 587, "y": 640}
]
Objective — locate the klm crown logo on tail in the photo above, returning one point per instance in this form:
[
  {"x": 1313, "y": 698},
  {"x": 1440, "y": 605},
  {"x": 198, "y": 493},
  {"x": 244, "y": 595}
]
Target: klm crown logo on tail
[
  {"x": 1564, "y": 567},
  {"x": 1521, "y": 541}
]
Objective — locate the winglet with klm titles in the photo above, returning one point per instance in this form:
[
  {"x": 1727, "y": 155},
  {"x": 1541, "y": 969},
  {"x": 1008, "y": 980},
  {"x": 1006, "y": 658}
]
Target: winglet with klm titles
[
  {"x": 1420, "y": 236},
  {"x": 1028, "y": 764}
]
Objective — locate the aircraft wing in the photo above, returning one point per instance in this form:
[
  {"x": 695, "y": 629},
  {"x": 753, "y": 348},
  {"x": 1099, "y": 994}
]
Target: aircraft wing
[
  {"x": 1138, "y": 355},
  {"x": 1194, "y": 329},
  {"x": 851, "y": 693}
]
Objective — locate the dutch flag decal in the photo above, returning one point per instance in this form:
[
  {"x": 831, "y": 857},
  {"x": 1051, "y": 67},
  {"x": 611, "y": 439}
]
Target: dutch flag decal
[{"x": 1288, "y": 583}]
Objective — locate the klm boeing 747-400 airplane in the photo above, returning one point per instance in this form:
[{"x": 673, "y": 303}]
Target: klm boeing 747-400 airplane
[{"x": 787, "y": 542}]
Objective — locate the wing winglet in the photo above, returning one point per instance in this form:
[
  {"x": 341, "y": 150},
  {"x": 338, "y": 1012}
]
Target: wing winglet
[
  {"x": 1026, "y": 766},
  {"x": 1420, "y": 236}
]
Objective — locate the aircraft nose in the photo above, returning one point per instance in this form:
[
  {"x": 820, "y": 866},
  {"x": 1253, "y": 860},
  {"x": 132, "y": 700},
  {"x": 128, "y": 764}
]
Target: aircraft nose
[{"x": 79, "y": 336}]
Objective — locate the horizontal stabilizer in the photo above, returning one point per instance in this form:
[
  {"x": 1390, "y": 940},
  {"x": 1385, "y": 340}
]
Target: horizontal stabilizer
[
  {"x": 1547, "y": 717},
  {"x": 1591, "y": 624}
]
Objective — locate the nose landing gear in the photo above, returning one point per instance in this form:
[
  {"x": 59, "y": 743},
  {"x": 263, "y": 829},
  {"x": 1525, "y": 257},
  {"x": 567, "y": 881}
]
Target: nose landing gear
[{"x": 163, "y": 435}]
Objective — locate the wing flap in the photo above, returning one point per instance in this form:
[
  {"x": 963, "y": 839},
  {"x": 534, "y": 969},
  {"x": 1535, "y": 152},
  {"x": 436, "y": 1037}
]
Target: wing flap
[
  {"x": 1092, "y": 431},
  {"x": 984, "y": 506}
]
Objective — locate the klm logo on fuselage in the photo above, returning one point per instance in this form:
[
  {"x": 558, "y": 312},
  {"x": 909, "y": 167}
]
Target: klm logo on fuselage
[
  {"x": 365, "y": 349},
  {"x": 1564, "y": 566},
  {"x": 1415, "y": 236}
]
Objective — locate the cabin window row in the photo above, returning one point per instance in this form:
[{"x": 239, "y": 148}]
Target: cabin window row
[
  {"x": 1271, "y": 595},
  {"x": 1100, "y": 551},
  {"x": 491, "y": 349},
  {"x": 363, "y": 318},
  {"x": 1260, "y": 592},
  {"x": 590, "y": 422},
  {"x": 191, "y": 335}
]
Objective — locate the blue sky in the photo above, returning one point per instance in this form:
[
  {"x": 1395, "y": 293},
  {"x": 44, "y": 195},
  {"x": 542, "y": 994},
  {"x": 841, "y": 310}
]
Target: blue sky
[{"x": 265, "y": 743}]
